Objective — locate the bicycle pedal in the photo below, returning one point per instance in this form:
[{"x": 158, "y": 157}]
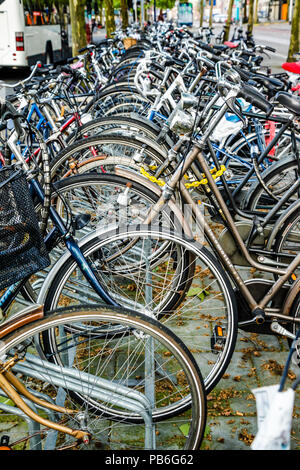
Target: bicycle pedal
[
  {"x": 4, "y": 443},
  {"x": 218, "y": 339}
]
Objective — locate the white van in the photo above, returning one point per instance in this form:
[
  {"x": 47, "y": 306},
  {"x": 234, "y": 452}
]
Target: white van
[{"x": 30, "y": 36}]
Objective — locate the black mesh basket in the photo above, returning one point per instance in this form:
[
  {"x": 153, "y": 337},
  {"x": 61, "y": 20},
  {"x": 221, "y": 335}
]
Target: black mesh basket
[{"x": 22, "y": 249}]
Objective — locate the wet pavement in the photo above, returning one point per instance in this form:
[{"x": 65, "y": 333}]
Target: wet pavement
[{"x": 258, "y": 361}]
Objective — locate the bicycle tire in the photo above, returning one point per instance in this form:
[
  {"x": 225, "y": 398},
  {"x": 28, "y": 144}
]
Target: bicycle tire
[
  {"x": 257, "y": 199},
  {"x": 129, "y": 150},
  {"x": 89, "y": 360}
]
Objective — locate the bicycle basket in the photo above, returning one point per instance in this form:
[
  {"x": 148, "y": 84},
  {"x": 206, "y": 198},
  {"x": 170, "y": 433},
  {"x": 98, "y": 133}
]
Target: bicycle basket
[{"x": 22, "y": 249}]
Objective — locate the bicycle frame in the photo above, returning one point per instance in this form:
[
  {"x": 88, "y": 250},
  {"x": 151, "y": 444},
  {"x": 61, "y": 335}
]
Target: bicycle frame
[{"x": 259, "y": 309}]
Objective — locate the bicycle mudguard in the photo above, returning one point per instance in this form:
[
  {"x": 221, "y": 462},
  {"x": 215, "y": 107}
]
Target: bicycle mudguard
[
  {"x": 293, "y": 208},
  {"x": 270, "y": 169}
]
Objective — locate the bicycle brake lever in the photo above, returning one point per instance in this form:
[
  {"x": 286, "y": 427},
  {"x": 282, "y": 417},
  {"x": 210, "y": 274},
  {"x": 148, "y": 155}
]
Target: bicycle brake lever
[{"x": 234, "y": 108}]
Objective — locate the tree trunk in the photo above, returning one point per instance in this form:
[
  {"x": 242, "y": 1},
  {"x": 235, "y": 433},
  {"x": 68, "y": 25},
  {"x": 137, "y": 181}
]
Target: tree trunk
[
  {"x": 245, "y": 19},
  {"x": 100, "y": 7},
  {"x": 211, "y": 12},
  {"x": 201, "y": 12},
  {"x": 251, "y": 16},
  {"x": 228, "y": 21},
  {"x": 78, "y": 25},
  {"x": 295, "y": 33},
  {"x": 109, "y": 17},
  {"x": 124, "y": 13},
  {"x": 256, "y": 12}
]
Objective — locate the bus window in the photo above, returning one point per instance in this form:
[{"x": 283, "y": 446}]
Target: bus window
[
  {"x": 38, "y": 18},
  {"x": 28, "y": 19}
]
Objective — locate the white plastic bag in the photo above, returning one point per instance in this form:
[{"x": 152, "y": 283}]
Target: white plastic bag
[{"x": 274, "y": 418}]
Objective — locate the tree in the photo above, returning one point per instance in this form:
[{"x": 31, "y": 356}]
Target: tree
[
  {"x": 100, "y": 8},
  {"x": 77, "y": 10},
  {"x": 109, "y": 17},
  {"x": 201, "y": 12},
  {"x": 245, "y": 19},
  {"x": 165, "y": 4},
  {"x": 228, "y": 21},
  {"x": 256, "y": 12},
  {"x": 295, "y": 33},
  {"x": 211, "y": 12},
  {"x": 124, "y": 13},
  {"x": 251, "y": 16}
]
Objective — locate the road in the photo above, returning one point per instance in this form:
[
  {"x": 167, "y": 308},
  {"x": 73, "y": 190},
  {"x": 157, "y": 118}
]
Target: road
[{"x": 276, "y": 35}]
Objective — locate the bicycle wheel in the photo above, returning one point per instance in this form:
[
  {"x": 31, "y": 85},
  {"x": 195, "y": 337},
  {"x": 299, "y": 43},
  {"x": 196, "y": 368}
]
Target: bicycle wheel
[
  {"x": 123, "y": 101},
  {"x": 99, "y": 197},
  {"x": 130, "y": 126},
  {"x": 294, "y": 327},
  {"x": 136, "y": 373},
  {"x": 165, "y": 275},
  {"x": 95, "y": 199},
  {"x": 104, "y": 153}
]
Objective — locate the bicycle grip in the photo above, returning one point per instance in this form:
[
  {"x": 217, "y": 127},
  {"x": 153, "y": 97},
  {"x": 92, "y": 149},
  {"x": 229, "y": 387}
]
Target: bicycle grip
[
  {"x": 254, "y": 97},
  {"x": 271, "y": 49},
  {"x": 243, "y": 74}
]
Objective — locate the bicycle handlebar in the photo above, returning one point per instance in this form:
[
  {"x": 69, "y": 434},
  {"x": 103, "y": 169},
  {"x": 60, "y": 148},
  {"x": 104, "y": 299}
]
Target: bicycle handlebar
[
  {"x": 7, "y": 111},
  {"x": 254, "y": 97},
  {"x": 14, "y": 85}
]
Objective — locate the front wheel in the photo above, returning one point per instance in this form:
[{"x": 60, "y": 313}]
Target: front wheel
[{"x": 163, "y": 275}]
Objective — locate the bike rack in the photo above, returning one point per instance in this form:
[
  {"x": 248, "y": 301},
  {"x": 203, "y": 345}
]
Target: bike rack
[
  {"x": 34, "y": 426},
  {"x": 95, "y": 387}
]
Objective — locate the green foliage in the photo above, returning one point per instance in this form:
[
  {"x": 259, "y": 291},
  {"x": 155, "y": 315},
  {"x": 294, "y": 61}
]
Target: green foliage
[
  {"x": 165, "y": 4},
  {"x": 40, "y": 4}
]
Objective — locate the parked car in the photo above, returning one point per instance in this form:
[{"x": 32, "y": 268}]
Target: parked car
[{"x": 219, "y": 18}]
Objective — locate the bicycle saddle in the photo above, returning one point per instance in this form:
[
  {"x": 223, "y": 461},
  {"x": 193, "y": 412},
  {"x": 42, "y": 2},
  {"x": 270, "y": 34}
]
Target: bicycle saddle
[
  {"x": 220, "y": 47},
  {"x": 271, "y": 84},
  {"x": 291, "y": 102}
]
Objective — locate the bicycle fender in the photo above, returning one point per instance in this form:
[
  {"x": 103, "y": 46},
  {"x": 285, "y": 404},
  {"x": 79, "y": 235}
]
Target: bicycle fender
[
  {"x": 295, "y": 207},
  {"x": 254, "y": 185}
]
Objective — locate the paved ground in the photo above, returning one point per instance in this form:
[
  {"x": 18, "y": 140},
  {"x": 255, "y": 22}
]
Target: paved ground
[
  {"x": 276, "y": 35},
  {"x": 257, "y": 361}
]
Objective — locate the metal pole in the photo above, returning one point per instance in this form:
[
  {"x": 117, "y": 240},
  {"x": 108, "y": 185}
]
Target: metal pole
[
  {"x": 142, "y": 14},
  {"x": 135, "y": 12},
  {"x": 291, "y": 5}
]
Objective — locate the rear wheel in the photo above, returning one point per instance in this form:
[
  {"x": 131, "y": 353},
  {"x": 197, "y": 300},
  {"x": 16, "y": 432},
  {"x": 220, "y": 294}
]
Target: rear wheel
[
  {"x": 278, "y": 180},
  {"x": 103, "y": 153}
]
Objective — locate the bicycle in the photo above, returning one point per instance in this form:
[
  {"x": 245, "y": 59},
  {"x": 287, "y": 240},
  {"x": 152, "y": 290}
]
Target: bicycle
[
  {"x": 120, "y": 257},
  {"x": 56, "y": 369}
]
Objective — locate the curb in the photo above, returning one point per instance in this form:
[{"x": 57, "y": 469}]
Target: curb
[{"x": 268, "y": 23}]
